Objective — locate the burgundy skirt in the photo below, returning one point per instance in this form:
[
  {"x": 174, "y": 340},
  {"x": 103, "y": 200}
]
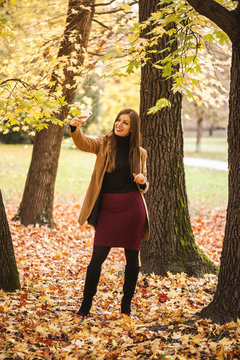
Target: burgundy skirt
[{"x": 121, "y": 220}]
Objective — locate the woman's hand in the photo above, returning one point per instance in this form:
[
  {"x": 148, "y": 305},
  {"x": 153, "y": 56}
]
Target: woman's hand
[
  {"x": 78, "y": 120},
  {"x": 139, "y": 178}
]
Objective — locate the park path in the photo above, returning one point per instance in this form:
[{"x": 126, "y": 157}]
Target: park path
[{"x": 206, "y": 163}]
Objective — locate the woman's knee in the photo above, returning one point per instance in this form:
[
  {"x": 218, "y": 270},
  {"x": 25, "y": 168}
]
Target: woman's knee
[
  {"x": 132, "y": 258},
  {"x": 99, "y": 255}
]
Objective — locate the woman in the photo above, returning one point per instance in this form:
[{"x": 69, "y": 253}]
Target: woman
[{"x": 114, "y": 204}]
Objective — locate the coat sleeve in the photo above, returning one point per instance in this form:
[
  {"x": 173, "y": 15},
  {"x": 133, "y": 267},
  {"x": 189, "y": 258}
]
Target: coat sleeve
[
  {"x": 85, "y": 143},
  {"x": 144, "y": 170}
]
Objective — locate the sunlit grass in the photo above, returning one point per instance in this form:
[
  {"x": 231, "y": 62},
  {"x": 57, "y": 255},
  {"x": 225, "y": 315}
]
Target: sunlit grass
[
  {"x": 211, "y": 148},
  {"x": 73, "y": 175},
  {"x": 205, "y": 187}
]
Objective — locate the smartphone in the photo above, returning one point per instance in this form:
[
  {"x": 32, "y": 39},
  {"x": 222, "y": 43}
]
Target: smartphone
[{"x": 87, "y": 112}]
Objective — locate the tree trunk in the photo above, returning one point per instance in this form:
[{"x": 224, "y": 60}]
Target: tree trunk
[
  {"x": 37, "y": 202},
  {"x": 225, "y": 306},
  {"x": 171, "y": 246},
  {"x": 211, "y": 130},
  {"x": 199, "y": 134},
  {"x": 9, "y": 277}
]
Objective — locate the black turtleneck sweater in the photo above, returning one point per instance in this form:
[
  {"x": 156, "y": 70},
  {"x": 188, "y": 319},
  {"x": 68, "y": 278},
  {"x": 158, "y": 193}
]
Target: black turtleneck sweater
[{"x": 120, "y": 179}]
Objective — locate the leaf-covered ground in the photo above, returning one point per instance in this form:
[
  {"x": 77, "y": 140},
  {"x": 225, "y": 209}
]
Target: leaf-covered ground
[{"x": 40, "y": 322}]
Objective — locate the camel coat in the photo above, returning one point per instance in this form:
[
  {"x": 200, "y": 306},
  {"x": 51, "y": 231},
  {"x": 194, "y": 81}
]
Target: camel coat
[{"x": 101, "y": 147}]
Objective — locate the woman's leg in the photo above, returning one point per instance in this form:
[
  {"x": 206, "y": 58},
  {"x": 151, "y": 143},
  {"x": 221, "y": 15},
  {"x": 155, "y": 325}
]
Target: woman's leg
[
  {"x": 131, "y": 275},
  {"x": 99, "y": 255}
]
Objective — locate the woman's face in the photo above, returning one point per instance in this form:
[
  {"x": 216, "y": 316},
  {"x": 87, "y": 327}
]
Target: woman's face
[{"x": 122, "y": 125}]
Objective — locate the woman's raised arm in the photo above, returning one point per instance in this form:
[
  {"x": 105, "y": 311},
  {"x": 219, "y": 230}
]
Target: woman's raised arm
[{"x": 83, "y": 142}]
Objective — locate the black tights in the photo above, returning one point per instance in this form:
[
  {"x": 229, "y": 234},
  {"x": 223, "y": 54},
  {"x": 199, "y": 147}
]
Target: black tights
[{"x": 100, "y": 254}]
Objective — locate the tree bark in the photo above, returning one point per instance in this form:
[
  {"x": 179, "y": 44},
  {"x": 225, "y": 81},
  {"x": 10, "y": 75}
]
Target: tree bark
[
  {"x": 199, "y": 134},
  {"x": 171, "y": 246},
  {"x": 225, "y": 306},
  {"x": 9, "y": 277},
  {"x": 227, "y": 20},
  {"x": 211, "y": 130},
  {"x": 37, "y": 203}
]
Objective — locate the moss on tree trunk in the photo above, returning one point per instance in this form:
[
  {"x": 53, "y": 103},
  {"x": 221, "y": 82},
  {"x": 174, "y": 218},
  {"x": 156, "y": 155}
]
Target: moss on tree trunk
[{"x": 171, "y": 246}]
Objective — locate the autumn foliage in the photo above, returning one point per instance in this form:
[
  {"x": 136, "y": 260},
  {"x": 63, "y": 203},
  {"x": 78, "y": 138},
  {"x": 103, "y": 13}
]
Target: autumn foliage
[{"x": 40, "y": 322}]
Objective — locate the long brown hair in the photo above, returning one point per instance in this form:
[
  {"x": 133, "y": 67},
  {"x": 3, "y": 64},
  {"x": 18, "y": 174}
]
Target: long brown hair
[{"x": 134, "y": 145}]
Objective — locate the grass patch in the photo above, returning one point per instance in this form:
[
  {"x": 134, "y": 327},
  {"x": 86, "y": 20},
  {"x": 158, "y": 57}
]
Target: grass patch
[
  {"x": 211, "y": 148},
  {"x": 74, "y": 171},
  {"x": 205, "y": 187}
]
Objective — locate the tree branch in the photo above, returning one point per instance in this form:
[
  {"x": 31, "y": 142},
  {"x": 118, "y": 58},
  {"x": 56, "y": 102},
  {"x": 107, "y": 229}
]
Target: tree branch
[
  {"x": 115, "y": 10},
  {"x": 104, "y": 4},
  {"x": 26, "y": 85},
  {"x": 108, "y": 12},
  {"x": 100, "y": 23},
  {"x": 227, "y": 20}
]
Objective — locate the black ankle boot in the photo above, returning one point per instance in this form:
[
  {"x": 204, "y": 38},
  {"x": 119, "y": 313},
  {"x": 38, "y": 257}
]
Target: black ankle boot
[
  {"x": 85, "y": 308},
  {"x": 126, "y": 306},
  {"x": 131, "y": 275},
  {"x": 90, "y": 289}
]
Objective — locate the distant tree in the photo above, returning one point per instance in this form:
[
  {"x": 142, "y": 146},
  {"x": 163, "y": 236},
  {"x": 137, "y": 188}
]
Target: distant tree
[
  {"x": 89, "y": 95},
  {"x": 171, "y": 246},
  {"x": 9, "y": 277},
  {"x": 16, "y": 137},
  {"x": 208, "y": 106}
]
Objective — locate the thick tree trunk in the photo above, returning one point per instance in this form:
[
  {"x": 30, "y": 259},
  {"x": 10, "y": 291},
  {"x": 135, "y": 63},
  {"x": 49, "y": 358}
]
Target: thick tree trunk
[
  {"x": 225, "y": 306},
  {"x": 9, "y": 278},
  {"x": 37, "y": 202},
  {"x": 171, "y": 246},
  {"x": 199, "y": 134}
]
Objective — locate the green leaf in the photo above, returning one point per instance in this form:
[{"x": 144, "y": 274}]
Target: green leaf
[
  {"x": 160, "y": 104},
  {"x": 195, "y": 82},
  {"x": 222, "y": 37},
  {"x": 209, "y": 37},
  {"x": 133, "y": 64},
  {"x": 167, "y": 70}
]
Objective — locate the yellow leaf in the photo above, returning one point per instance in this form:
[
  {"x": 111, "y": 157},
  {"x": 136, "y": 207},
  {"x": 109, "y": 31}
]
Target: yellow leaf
[
  {"x": 126, "y": 7},
  {"x": 21, "y": 347},
  {"x": 57, "y": 256},
  {"x": 196, "y": 340},
  {"x": 220, "y": 355},
  {"x": 224, "y": 341},
  {"x": 41, "y": 330},
  {"x": 155, "y": 346},
  {"x": 184, "y": 339},
  {"x": 79, "y": 343}
]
